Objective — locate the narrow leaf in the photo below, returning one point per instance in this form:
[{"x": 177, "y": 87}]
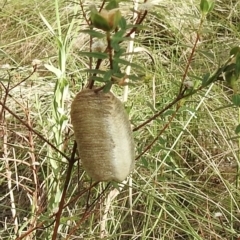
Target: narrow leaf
[
  {"x": 234, "y": 51},
  {"x": 107, "y": 87},
  {"x": 47, "y": 24},
  {"x": 237, "y": 68},
  {"x": 204, "y": 6},
  {"x": 236, "y": 100},
  {"x": 97, "y": 79},
  {"x": 93, "y": 33},
  {"x": 97, "y": 55},
  {"x": 54, "y": 70},
  {"x": 112, "y": 4},
  {"x": 127, "y": 63},
  {"x": 237, "y": 129},
  {"x": 107, "y": 76},
  {"x": 123, "y": 23}
]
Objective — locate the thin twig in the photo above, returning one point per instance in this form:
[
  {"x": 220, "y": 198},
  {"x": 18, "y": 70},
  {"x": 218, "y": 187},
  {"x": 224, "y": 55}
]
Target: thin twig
[
  {"x": 159, "y": 134},
  {"x": 34, "y": 217},
  {"x": 84, "y": 13},
  {"x": 189, "y": 62},
  {"x": 34, "y": 131},
  {"x": 88, "y": 211},
  {"x": 80, "y": 194},
  {"x": 26, "y": 78},
  {"x": 178, "y": 98},
  {"x": 66, "y": 184}
]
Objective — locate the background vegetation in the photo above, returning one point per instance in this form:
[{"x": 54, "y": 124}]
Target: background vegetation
[{"x": 185, "y": 186}]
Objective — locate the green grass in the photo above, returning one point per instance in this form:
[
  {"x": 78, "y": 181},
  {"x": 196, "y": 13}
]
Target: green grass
[{"x": 186, "y": 186}]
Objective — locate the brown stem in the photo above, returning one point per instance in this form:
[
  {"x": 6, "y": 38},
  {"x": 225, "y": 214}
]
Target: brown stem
[
  {"x": 91, "y": 82},
  {"x": 139, "y": 21},
  {"x": 80, "y": 194},
  {"x": 189, "y": 62},
  {"x": 61, "y": 203},
  {"x": 29, "y": 231},
  {"x": 109, "y": 49},
  {"x": 159, "y": 113},
  {"x": 84, "y": 13}
]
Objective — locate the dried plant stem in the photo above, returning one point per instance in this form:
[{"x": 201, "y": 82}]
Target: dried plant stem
[
  {"x": 34, "y": 131},
  {"x": 80, "y": 194},
  {"x": 130, "y": 49},
  {"x": 110, "y": 198},
  {"x": 34, "y": 168},
  {"x": 9, "y": 177},
  {"x": 89, "y": 209}
]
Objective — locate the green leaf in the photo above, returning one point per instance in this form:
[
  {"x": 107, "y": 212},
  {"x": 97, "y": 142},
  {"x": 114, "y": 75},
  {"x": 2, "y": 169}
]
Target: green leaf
[
  {"x": 116, "y": 18},
  {"x": 211, "y": 6},
  {"x": 116, "y": 68},
  {"x": 98, "y": 20},
  {"x": 237, "y": 129},
  {"x": 97, "y": 55},
  {"x": 54, "y": 70},
  {"x": 206, "y": 6},
  {"x": 118, "y": 36},
  {"x": 120, "y": 52},
  {"x": 205, "y": 79},
  {"x": 93, "y": 71},
  {"x": 123, "y": 23},
  {"x": 47, "y": 24},
  {"x": 231, "y": 80},
  {"x": 127, "y": 63},
  {"x": 107, "y": 76},
  {"x": 93, "y": 33},
  {"x": 229, "y": 68},
  {"x": 116, "y": 47},
  {"x": 237, "y": 67},
  {"x": 112, "y": 4},
  {"x": 236, "y": 100},
  {"x": 107, "y": 87},
  {"x": 101, "y": 23},
  {"x": 97, "y": 79},
  {"x": 234, "y": 51}
]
